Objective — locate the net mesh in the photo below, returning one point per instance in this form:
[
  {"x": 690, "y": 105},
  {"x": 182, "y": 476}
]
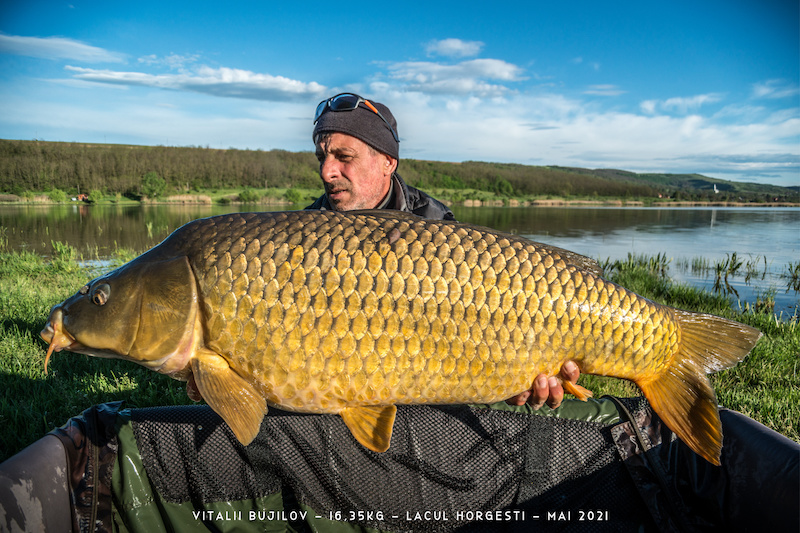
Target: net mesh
[{"x": 449, "y": 468}]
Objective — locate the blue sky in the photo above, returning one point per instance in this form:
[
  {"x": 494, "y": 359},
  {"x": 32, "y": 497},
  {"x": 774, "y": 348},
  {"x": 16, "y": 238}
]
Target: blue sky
[{"x": 711, "y": 87}]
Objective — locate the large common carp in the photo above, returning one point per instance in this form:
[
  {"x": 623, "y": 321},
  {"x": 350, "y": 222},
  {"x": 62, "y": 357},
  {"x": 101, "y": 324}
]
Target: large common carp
[{"x": 353, "y": 313}]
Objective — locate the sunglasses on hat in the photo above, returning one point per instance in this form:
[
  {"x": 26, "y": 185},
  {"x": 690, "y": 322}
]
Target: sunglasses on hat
[{"x": 348, "y": 102}]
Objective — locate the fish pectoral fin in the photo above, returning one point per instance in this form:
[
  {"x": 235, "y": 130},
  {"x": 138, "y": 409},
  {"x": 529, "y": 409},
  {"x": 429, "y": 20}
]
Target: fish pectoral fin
[
  {"x": 230, "y": 395},
  {"x": 581, "y": 393},
  {"x": 371, "y": 425}
]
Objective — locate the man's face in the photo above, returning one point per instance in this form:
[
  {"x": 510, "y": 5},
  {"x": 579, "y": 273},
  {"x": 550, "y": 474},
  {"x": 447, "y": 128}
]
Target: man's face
[{"x": 355, "y": 176}]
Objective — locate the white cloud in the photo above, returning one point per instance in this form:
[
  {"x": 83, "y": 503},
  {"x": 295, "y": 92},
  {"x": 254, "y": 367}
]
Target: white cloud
[
  {"x": 454, "y": 48},
  {"x": 578, "y": 60},
  {"x": 684, "y": 105},
  {"x": 172, "y": 61},
  {"x": 775, "y": 89},
  {"x": 57, "y": 48},
  {"x": 467, "y": 77},
  {"x": 225, "y": 82},
  {"x": 680, "y": 104},
  {"x": 604, "y": 90},
  {"x": 649, "y": 106}
]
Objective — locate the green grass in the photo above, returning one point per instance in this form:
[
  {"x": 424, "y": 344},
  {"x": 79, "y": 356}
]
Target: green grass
[
  {"x": 32, "y": 403},
  {"x": 765, "y": 386}
]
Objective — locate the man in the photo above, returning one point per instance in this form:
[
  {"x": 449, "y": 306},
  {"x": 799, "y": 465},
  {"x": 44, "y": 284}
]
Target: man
[{"x": 358, "y": 149}]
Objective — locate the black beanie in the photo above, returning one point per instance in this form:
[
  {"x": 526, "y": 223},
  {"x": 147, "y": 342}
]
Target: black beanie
[{"x": 363, "y": 124}]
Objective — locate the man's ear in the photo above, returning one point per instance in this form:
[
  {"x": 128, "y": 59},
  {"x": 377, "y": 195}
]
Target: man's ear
[{"x": 389, "y": 164}]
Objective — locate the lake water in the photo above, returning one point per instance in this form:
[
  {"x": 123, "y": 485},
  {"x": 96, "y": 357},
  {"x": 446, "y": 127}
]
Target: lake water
[{"x": 767, "y": 238}]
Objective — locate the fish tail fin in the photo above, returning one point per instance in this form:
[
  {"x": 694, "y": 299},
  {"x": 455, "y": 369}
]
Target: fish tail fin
[{"x": 682, "y": 395}]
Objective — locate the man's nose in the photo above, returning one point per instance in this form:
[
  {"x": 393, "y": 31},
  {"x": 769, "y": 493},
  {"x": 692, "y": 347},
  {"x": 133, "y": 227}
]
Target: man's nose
[{"x": 328, "y": 168}]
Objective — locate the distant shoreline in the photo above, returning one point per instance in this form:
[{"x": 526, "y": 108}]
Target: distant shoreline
[
  {"x": 615, "y": 203},
  {"x": 623, "y": 203},
  {"x": 44, "y": 201}
]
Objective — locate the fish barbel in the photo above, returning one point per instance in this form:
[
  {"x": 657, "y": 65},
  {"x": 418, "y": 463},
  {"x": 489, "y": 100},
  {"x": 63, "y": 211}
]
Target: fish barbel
[{"x": 353, "y": 313}]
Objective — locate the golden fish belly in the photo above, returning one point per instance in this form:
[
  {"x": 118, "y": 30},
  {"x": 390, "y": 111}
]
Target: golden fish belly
[{"x": 337, "y": 312}]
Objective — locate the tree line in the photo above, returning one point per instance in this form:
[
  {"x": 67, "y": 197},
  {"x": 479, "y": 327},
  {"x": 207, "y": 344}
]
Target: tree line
[
  {"x": 128, "y": 170},
  {"x": 113, "y": 169},
  {"x": 507, "y": 179}
]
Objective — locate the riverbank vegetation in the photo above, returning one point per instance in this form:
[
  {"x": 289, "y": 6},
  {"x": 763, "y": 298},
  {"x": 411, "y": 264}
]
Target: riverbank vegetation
[
  {"x": 38, "y": 171},
  {"x": 764, "y": 387}
]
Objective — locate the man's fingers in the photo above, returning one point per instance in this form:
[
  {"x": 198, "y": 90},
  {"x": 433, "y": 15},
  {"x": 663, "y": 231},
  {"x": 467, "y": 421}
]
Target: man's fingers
[
  {"x": 519, "y": 399},
  {"x": 540, "y": 391},
  {"x": 547, "y": 390},
  {"x": 570, "y": 371},
  {"x": 555, "y": 393}
]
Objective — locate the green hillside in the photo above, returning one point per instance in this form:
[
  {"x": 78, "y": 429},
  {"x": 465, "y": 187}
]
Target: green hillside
[
  {"x": 687, "y": 182},
  {"x": 34, "y": 167}
]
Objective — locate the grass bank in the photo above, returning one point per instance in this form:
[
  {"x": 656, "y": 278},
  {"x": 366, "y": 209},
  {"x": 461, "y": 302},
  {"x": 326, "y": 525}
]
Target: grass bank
[
  {"x": 466, "y": 197},
  {"x": 765, "y": 386}
]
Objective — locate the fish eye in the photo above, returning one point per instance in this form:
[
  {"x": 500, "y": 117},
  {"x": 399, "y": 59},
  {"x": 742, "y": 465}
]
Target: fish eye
[{"x": 101, "y": 293}]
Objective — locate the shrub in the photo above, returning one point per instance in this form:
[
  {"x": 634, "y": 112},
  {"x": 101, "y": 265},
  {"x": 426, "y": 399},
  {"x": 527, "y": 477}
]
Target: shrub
[
  {"x": 57, "y": 196},
  {"x": 503, "y": 187},
  {"x": 293, "y": 196},
  {"x": 249, "y": 196},
  {"x": 153, "y": 185},
  {"x": 95, "y": 195}
]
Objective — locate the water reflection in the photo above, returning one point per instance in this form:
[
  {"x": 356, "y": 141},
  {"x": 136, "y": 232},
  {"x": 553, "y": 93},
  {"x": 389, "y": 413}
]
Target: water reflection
[{"x": 99, "y": 230}]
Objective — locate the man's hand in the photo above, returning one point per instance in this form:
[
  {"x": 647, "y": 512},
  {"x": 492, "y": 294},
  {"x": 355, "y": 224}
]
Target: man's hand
[{"x": 547, "y": 390}]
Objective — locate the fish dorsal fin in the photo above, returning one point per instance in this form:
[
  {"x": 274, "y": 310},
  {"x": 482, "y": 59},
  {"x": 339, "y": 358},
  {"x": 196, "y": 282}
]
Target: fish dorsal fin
[
  {"x": 371, "y": 425},
  {"x": 230, "y": 395}
]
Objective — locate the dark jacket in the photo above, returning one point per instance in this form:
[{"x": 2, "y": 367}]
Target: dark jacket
[{"x": 407, "y": 199}]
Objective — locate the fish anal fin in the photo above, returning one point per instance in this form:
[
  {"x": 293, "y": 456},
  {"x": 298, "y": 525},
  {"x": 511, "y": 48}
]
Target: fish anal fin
[
  {"x": 230, "y": 395},
  {"x": 371, "y": 425},
  {"x": 682, "y": 395},
  {"x": 581, "y": 393}
]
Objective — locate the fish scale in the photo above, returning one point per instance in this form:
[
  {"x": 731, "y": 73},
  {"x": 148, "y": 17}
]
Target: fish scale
[{"x": 353, "y": 313}]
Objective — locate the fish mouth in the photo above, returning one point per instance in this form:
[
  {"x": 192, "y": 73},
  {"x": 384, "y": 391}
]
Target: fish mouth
[{"x": 54, "y": 334}]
